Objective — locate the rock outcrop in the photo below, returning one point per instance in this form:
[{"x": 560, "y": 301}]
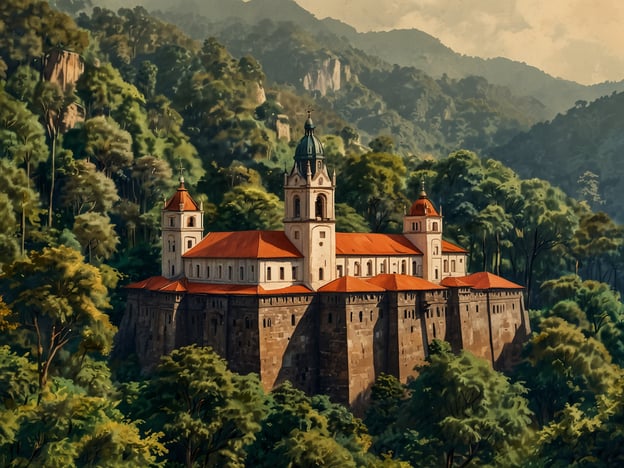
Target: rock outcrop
[
  {"x": 65, "y": 69},
  {"x": 327, "y": 75}
]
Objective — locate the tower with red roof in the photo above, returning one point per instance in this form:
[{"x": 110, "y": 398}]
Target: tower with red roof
[{"x": 182, "y": 226}]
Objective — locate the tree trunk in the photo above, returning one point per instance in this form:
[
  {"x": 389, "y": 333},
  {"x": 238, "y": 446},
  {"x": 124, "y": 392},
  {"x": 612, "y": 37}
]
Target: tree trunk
[{"x": 52, "y": 179}]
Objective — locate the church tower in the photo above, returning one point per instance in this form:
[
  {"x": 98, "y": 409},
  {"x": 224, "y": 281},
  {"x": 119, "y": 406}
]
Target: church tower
[
  {"x": 423, "y": 227},
  {"x": 310, "y": 219},
  {"x": 182, "y": 226}
]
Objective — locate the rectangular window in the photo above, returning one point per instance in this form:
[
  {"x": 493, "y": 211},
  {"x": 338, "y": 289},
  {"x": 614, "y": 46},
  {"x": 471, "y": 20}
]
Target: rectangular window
[
  {"x": 229, "y": 272},
  {"x": 268, "y": 274},
  {"x": 322, "y": 234},
  {"x": 294, "y": 273},
  {"x": 281, "y": 273},
  {"x": 241, "y": 273}
]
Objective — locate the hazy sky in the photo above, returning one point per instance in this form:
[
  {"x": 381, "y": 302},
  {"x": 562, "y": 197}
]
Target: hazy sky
[{"x": 581, "y": 40}]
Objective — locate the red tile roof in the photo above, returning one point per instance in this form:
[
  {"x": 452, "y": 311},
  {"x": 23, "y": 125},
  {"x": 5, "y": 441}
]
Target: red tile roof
[
  {"x": 244, "y": 244},
  {"x": 454, "y": 282},
  {"x": 350, "y": 284},
  {"x": 181, "y": 198},
  {"x": 423, "y": 207},
  {"x": 448, "y": 247},
  {"x": 374, "y": 244},
  {"x": 154, "y": 283},
  {"x": 159, "y": 283},
  {"x": 396, "y": 282},
  {"x": 485, "y": 280}
]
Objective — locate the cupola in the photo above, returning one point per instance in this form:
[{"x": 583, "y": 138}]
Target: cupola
[
  {"x": 423, "y": 206},
  {"x": 309, "y": 150},
  {"x": 181, "y": 200}
]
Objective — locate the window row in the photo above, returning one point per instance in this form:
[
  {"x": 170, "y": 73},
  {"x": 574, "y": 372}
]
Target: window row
[{"x": 357, "y": 269}]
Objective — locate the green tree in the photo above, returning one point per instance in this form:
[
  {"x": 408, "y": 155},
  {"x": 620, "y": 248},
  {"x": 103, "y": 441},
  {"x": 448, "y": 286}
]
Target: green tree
[
  {"x": 23, "y": 139},
  {"x": 464, "y": 411},
  {"x": 96, "y": 235},
  {"x": 250, "y": 207},
  {"x": 348, "y": 220},
  {"x": 596, "y": 245},
  {"x": 207, "y": 413},
  {"x": 58, "y": 302},
  {"x": 387, "y": 398},
  {"x": 20, "y": 208},
  {"x": 146, "y": 79},
  {"x": 87, "y": 190},
  {"x": 108, "y": 145},
  {"x": 308, "y": 431},
  {"x": 374, "y": 187},
  {"x": 564, "y": 367}
]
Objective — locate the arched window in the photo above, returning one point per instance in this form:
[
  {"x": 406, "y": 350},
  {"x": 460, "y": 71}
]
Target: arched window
[
  {"x": 414, "y": 268},
  {"x": 230, "y": 272},
  {"x": 241, "y": 273},
  {"x": 356, "y": 268},
  {"x": 445, "y": 266},
  {"x": 382, "y": 267},
  {"x": 191, "y": 221},
  {"x": 403, "y": 267},
  {"x": 320, "y": 206},
  {"x": 453, "y": 267},
  {"x": 268, "y": 274},
  {"x": 434, "y": 226},
  {"x": 369, "y": 268},
  {"x": 189, "y": 244},
  {"x": 208, "y": 272},
  {"x": 198, "y": 267},
  {"x": 296, "y": 207},
  {"x": 361, "y": 315}
]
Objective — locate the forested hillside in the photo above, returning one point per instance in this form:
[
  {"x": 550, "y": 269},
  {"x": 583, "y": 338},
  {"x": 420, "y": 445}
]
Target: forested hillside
[
  {"x": 88, "y": 152},
  {"x": 580, "y": 151},
  {"x": 424, "y": 115}
]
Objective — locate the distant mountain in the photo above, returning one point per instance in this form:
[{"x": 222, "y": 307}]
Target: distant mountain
[
  {"x": 411, "y": 47},
  {"x": 408, "y": 47},
  {"x": 422, "y": 114},
  {"x": 583, "y": 146}
]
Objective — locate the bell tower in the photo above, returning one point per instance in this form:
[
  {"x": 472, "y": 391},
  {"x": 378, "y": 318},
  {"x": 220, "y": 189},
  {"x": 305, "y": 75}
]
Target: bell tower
[
  {"x": 423, "y": 227},
  {"x": 309, "y": 218},
  {"x": 182, "y": 226}
]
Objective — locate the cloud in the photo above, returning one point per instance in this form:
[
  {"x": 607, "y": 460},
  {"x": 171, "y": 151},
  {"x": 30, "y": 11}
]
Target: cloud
[{"x": 574, "y": 39}]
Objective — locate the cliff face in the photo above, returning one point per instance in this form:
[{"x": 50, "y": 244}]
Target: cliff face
[
  {"x": 257, "y": 93},
  {"x": 327, "y": 75},
  {"x": 65, "y": 69}
]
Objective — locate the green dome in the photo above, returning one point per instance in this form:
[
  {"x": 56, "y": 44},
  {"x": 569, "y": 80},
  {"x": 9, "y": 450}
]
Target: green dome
[{"x": 309, "y": 149}]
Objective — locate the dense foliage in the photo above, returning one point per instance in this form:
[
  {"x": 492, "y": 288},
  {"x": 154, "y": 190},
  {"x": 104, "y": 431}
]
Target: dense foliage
[
  {"x": 578, "y": 150},
  {"x": 80, "y": 211}
]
